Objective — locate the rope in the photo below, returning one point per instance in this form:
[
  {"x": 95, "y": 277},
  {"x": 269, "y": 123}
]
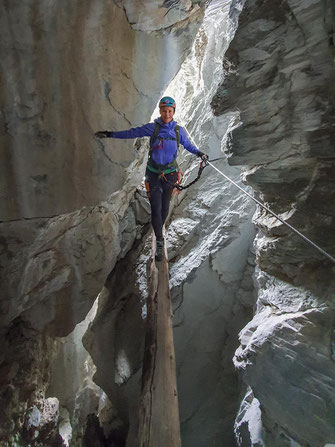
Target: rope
[
  {"x": 302, "y": 236},
  {"x": 327, "y": 255}
]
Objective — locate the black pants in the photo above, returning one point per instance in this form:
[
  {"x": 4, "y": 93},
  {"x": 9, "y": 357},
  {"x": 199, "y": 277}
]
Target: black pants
[{"x": 160, "y": 191}]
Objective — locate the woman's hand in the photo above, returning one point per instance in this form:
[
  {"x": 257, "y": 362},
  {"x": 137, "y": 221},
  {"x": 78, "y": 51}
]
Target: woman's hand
[
  {"x": 103, "y": 134},
  {"x": 203, "y": 156}
]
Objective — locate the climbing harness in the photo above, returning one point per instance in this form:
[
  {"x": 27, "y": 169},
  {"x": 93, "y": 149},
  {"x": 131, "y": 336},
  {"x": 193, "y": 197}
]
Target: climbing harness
[
  {"x": 178, "y": 185},
  {"x": 163, "y": 169}
]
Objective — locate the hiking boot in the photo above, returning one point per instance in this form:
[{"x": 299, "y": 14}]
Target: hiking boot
[{"x": 159, "y": 250}]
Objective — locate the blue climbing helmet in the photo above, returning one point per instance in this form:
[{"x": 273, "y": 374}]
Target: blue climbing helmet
[{"x": 167, "y": 101}]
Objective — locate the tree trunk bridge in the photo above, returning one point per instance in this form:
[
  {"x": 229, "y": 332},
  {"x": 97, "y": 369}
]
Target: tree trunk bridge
[{"x": 159, "y": 414}]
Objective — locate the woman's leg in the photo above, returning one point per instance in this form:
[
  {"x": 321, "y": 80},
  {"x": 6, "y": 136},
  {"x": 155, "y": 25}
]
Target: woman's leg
[
  {"x": 166, "y": 194},
  {"x": 155, "y": 197}
]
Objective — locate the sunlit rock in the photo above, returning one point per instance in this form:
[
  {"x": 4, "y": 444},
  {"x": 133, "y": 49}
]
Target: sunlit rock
[
  {"x": 279, "y": 77},
  {"x": 279, "y": 72},
  {"x": 156, "y": 15}
]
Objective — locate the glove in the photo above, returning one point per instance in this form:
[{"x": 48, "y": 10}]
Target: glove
[
  {"x": 103, "y": 134},
  {"x": 203, "y": 156}
]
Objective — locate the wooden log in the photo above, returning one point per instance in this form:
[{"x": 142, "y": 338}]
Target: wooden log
[{"x": 159, "y": 413}]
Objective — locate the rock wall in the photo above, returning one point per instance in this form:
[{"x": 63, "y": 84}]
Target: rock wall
[
  {"x": 53, "y": 145},
  {"x": 27, "y": 417},
  {"x": 72, "y": 221},
  {"x": 71, "y": 69},
  {"x": 280, "y": 77},
  {"x": 281, "y": 81}
]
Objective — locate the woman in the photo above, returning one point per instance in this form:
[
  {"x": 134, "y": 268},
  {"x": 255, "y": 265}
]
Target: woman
[{"x": 162, "y": 170}]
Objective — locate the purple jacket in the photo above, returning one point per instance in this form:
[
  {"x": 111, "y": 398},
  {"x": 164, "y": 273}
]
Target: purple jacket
[{"x": 163, "y": 151}]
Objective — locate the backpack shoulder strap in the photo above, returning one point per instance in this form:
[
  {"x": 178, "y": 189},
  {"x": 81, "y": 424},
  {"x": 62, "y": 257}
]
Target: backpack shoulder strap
[
  {"x": 176, "y": 129},
  {"x": 154, "y": 135}
]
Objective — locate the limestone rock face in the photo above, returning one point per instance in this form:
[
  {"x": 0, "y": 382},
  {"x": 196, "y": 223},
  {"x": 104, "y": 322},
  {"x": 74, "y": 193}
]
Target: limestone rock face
[
  {"x": 70, "y": 70},
  {"x": 71, "y": 372},
  {"x": 76, "y": 72},
  {"x": 279, "y": 75},
  {"x": 71, "y": 81},
  {"x": 115, "y": 341},
  {"x": 156, "y": 15},
  {"x": 27, "y": 416},
  {"x": 281, "y": 81},
  {"x": 73, "y": 221},
  {"x": 286, "y": 346},
  {"x": 54, "y": 281}
]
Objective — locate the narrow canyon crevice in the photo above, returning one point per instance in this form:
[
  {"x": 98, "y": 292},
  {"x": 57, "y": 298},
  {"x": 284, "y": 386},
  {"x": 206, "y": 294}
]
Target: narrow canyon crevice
[{"x": 253, "y": 304}]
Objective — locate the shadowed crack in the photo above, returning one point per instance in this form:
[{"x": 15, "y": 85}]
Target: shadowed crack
[
  {"x": 28, "y": 218},
  {"x": 132, "y": 81},
  {"x": 169, "y": 5},
  {"x": 107, "y": 91},
  {"x": 105, "y": 153},
  {"x": 5, "y": 122}
]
